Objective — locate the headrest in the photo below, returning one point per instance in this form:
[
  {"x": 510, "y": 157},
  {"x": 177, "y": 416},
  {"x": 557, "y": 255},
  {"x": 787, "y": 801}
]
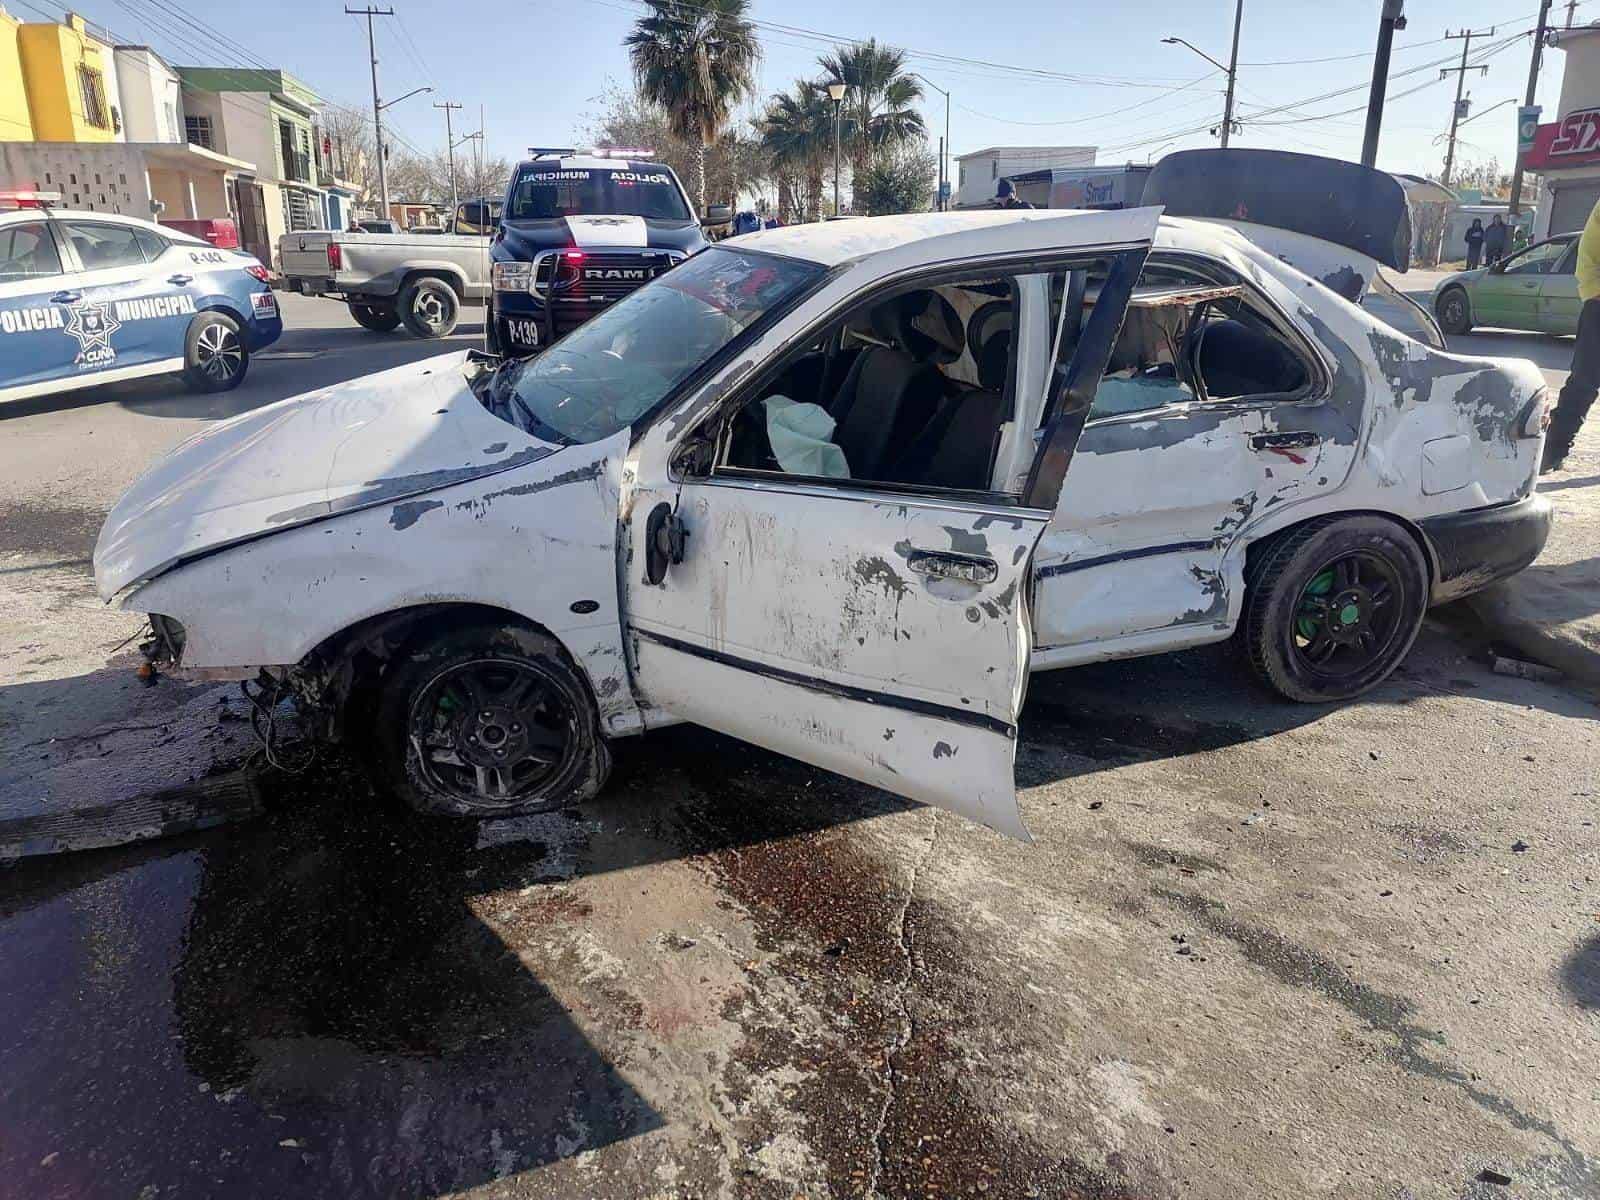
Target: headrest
[{"x": 923, "y": 324}]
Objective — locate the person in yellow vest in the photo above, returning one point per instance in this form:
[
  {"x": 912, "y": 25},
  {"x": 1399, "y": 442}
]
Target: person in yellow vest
[{"x": 1577, "y": 394}]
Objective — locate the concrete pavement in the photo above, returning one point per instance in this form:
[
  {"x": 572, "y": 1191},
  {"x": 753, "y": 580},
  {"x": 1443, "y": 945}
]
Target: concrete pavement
[{"x": 1256, "y": 949}]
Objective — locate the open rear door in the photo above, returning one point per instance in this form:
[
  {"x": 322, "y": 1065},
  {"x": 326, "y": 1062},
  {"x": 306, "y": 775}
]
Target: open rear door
[{"x": 880, "y": 634}]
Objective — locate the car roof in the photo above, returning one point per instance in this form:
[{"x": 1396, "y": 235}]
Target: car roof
[
  {"x": 591, "y": 162},
  {"x": 946, "y": 234}
]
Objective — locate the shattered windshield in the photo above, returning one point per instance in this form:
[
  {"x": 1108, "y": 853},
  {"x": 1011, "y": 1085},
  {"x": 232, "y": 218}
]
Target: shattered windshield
[{"x": 617, "y": 367}]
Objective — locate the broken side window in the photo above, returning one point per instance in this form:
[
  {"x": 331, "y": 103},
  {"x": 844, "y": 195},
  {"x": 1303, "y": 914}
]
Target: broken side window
[
  {"x": 913, "y": 389},
  {"x": 1186, "y": 338}
]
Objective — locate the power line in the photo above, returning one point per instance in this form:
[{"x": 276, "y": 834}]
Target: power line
[
  {"x": 836, "y": 39},
  {"x": 1114, "y": 112}
]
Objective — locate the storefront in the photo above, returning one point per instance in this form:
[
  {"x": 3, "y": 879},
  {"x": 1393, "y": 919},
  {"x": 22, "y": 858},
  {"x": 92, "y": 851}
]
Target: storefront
[{"x": 1566, "y": 152}]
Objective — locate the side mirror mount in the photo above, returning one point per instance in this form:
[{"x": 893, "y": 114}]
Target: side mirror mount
[{"x": 717, "y": 214}]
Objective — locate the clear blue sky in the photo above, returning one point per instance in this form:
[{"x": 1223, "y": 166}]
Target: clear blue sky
[{"x": 540, "y": 66}]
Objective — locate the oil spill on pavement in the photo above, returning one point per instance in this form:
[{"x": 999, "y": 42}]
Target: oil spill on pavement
[{"x": 308, "y": 1005}]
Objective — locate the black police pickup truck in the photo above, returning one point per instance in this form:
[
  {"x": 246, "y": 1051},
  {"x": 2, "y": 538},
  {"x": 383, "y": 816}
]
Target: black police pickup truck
[{"x": 580, "y": 231}]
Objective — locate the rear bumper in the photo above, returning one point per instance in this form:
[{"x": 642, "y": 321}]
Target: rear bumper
[{"x": 1480, "y": 547}]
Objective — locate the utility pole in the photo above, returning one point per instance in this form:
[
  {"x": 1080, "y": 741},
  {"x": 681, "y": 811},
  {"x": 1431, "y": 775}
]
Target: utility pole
[
  {"x": 1515, "y": 205},
  {"x": 1465, "y": 38},
  {"x": 1233, "y": 75},
  {"x": 1393, "y": 18},
  {"x": 450, "y": 153},
  {"x": 1231, "y": 70},
  {"x": 377, "y": 108},
  {"x": 944, "y": 142},
  {"x": 836, "y": 93}
]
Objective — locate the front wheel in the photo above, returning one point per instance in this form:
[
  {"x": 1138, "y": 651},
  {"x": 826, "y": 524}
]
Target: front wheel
[
  {"x": 214, "y": 355},
  {"x": 1334, "y": 607},
  {"x": 488, "y": 721},
  {"x": 429, "y": 308},
  {"x": 1454, "y": 311}
]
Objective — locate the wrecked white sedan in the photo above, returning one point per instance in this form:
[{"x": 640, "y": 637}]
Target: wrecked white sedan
[{"x": 836, "y": 489}]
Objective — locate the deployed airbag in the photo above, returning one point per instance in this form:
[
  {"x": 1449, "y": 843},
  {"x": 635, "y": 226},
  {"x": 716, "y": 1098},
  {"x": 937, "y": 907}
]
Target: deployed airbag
[{"x": 802, "y": 439}]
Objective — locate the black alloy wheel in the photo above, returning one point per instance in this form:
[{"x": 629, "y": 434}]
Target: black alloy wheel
[
  {"x": 1333, "y": 607},
  {"x": 488, "y": 722},
  {"x": 491, "y": 730}
]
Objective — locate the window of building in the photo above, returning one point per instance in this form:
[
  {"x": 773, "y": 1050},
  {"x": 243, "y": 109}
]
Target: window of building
[
  {"x": 197, "y": 131},
  {"x": 172, "y": 124},
  {"x": 92, "y": 87},
  {"x": 294, "y": 146}
]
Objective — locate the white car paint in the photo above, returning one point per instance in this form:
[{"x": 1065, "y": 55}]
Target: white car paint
[{"x": 795, "y": 619}]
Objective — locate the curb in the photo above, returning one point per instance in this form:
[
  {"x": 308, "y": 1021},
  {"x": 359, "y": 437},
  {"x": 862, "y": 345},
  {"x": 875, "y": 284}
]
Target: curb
[{"x": 1555, "y": 645}]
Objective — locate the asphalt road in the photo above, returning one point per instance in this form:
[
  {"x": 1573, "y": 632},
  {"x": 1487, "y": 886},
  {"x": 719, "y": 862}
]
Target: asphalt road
[{"x": 1256, "y": 949}]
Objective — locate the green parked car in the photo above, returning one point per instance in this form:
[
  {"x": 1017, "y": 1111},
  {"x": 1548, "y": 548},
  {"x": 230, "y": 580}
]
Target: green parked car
[{"x": 1534, "y": 289}]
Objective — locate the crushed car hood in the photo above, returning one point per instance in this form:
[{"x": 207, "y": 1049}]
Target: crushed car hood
[{"x": 369, "y": 441}]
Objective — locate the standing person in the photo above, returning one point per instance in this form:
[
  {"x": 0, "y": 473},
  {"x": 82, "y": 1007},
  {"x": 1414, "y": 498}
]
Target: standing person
[
  {"x": 1495, "y": 240},
  {"x": 1006, "y": 196},
  {"x": 1577, "y": 394},
  {"x": 1474, "y": 244}
]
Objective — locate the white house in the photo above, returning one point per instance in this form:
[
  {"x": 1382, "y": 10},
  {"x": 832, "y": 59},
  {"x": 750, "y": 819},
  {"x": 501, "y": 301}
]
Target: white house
[
  {"x": 979, "y": 173},
  {"x": 151, "y": 96}
]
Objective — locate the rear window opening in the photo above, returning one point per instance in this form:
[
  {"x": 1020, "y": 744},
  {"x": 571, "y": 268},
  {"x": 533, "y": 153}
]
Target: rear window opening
[
  {"x": 547, "y": 193},
  {"x": 1185, "y": 339}
]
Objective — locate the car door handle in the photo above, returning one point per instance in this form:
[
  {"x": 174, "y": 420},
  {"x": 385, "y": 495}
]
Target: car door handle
[
  {"x": 180, "y": 280},
  {"x": 66, "y": 297},
  {"x": 1300, "y": 440},
  {"x": 1289, "y": 445},
  {"x": 968, "y": 568}
]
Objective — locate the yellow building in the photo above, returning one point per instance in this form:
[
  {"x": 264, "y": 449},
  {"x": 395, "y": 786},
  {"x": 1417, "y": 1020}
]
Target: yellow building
[
  {"x": 69, "y": 80},
  {"x": 16, "y": 125}
]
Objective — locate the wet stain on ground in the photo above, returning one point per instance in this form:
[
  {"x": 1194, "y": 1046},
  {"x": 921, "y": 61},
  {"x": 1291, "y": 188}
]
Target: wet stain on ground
[
  {"x": 37, "y": 528},
  {"x": 307, "y": 1005}
]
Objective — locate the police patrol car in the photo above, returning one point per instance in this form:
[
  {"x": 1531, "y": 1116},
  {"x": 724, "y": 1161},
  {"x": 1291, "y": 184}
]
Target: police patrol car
[
  {"x": 89, "y": 298},
  {"x": 579, "y": 231}
]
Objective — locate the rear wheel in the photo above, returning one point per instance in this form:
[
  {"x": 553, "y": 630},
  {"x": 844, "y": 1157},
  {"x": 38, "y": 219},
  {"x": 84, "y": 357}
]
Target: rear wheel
[
  {"x": 429, "y": 307},
  {"x": 1454, "y": 311},
  {"x": 214, "y": 356},
  {"x": 380, "y": 318},
  {"x": 488, "y": 721},
  {"x": 1334, "y": 608}
]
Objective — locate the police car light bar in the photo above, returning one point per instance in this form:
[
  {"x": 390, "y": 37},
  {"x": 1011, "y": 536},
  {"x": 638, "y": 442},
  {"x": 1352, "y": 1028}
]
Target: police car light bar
[
  {"x": 12, "y": 198},
  {"x": 619, "y": 152},
  {"x": 546, "y": 151}
]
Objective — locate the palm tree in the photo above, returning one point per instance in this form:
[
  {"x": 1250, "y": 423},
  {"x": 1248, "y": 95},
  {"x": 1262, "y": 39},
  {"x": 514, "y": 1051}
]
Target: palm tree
[
  {"x": 879, "y": 99},
  {"x": 797, "y": 132},
  {"x": 695, "y": 60}
]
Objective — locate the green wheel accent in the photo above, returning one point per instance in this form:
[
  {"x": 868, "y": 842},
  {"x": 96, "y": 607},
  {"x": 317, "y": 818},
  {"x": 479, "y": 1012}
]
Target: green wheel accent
[{"x": 1321, "y": 585}]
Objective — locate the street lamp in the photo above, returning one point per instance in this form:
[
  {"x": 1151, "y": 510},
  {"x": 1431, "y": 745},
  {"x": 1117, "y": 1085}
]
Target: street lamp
[
  {"x": 944, "y": 151},
  {"x": 836, "y": 93},
  {"x": 1231, "y": 70}
]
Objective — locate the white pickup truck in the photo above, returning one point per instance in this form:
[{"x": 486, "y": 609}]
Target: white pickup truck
[{"x": 420, "y": 280}]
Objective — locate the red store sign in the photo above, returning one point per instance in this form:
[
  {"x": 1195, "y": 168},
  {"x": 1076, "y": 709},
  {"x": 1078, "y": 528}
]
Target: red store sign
[{"x": 1572, "y": 141}]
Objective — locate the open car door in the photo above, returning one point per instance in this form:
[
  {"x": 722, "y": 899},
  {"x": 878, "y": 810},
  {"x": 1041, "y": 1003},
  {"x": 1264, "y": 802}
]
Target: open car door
[{"x": 877, "y": 632}]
